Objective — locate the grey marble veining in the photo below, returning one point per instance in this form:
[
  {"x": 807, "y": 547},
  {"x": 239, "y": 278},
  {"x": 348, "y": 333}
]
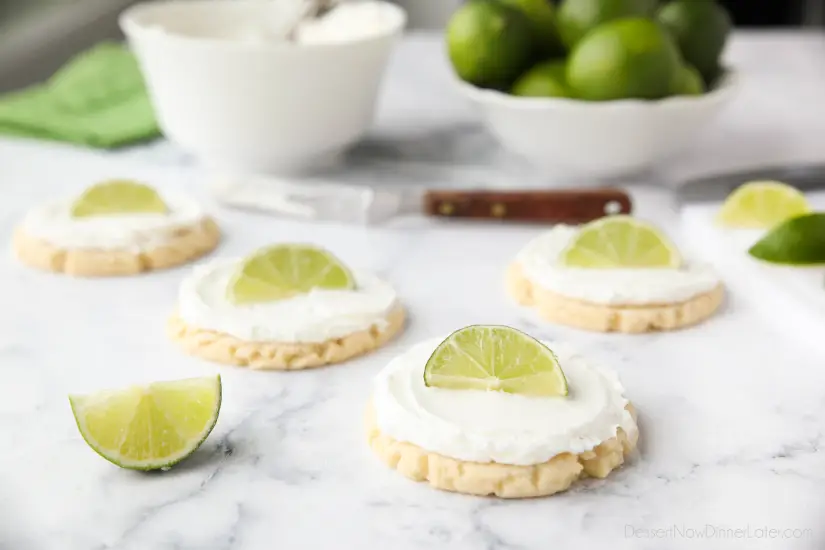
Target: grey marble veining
[{"x": 732, "y": 412}]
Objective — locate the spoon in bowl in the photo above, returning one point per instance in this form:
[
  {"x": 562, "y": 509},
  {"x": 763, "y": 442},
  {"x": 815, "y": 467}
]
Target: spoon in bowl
[{"x": 305, "y": 10}]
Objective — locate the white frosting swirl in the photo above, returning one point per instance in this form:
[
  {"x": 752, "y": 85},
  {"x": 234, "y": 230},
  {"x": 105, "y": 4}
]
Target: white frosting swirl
[
  {"x": 317, "y": 316},
  {"x": 483, "y": 426},
  {"x": 539, "y": 262},
  {"x": 347, "y": 22},
  {"x": 53, "y": 223}
]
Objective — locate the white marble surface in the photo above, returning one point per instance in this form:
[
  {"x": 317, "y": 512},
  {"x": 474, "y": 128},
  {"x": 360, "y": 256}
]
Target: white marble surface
[{"x": 732, "y": 412}]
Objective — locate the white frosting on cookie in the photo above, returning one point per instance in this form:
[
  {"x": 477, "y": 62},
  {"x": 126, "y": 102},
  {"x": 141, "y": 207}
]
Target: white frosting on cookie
[
  {"x": 539, "y": 261},
  {"x": 53, "y": 223},
  {"x": 489, "y": 426},
  {"x": 317, "y": 316}
]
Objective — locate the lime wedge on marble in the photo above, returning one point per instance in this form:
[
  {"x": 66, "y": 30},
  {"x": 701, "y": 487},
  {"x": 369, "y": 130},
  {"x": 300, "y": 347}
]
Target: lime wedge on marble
[
  {"x": 762, "y": 205},
  {"x": 287, "y": 270},
  {"x": 616, "y": 242},
  {"x": 149, "y": 427},
  {"x": 495, "y": 358},
  {"x": 798, "y": 241},
  {"x": 118, "y": 197}
]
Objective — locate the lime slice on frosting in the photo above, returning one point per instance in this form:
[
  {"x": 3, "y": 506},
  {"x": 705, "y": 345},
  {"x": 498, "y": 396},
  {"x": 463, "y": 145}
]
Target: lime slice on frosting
[
  {"x": 149, "y": 427},
  {"x": 762, "y": 205},
  {"x": 618, "y": 242},
  {"x": 287, "y": 270},
  {"x": 118, "y": 197},
  {"x": 798, "y": 241},
  {"x": 495, "y": 358}
]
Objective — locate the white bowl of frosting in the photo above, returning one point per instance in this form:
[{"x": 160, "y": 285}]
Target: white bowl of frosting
[{"x": 229, "y": 87}]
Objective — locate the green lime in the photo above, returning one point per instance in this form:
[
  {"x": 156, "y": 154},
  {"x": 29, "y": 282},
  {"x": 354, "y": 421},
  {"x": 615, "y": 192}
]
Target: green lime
[
  {"x": 495, "y": 358},
  {"x": 286, "y": 270},
  {"x": 544, "y": 80},
  {"x": 628, "y": 58},
  {"x": 118, "y": 197},
  {"x": 713, "y": 78},
  {"x": 701, "y": 29},
  {"x": 490, "y": 44},
  {"x": 542, "y": 16},
  {"x": 762, "y": 205},
  {"x": 620, "y": 242},
  {"x": 688, "y": 81},
  {"x": 149, "y": 427},
  {"x": 797, "y": 241},
  {"x": 650, "y": 6},
  {"x": 576, "y": 18}
]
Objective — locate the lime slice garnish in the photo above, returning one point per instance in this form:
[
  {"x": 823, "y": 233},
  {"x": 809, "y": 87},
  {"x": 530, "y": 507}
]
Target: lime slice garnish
[
  {"x": 118, "y": 197},
  {"x": 762, "y": 205},
  {"x": 149, "y": 427},
  {"x": 495, "y": 358},
  {"x": 287, "y": 270},
  {"x": 798, "y": 241},
  {"x": 620, "y": 242}
]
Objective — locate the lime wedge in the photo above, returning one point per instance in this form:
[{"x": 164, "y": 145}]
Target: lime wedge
[
  {"x": 762, "y": 205},
  {"x": 287, "y": 270},
  {"x": 495, "y": 358},
  {"x": 149, "y": 427},
  {"x": 798, "y": 241},
  {"x": 118, "y": 197},
  {"x": 620, "y": 242}
]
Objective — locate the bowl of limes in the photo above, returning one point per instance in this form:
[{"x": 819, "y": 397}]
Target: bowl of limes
[{"x": 593, "y": 88}]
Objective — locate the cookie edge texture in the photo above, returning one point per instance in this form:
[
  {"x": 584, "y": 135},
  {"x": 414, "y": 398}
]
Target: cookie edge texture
[
  {"x": 501, "y": 480},
  {"x": 559, "y": 309},
  {"x": 220, "y": 347},
  {"x": 187, "y": 244}
]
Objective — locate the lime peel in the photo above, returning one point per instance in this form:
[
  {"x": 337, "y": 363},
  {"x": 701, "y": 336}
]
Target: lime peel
[
  {"x": 495, "y": 358},
  {"x": 149, "y": 427},
  {"x": 799, "y": 241}
]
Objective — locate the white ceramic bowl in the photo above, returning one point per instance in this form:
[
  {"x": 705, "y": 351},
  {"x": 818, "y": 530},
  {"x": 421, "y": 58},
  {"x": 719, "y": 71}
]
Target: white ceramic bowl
[
  {"x": 250, "y": 105},
  {"x": 580, "y": 139}
]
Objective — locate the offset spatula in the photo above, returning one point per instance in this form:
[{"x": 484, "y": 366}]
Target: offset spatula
[{"x": 323, "y": 201}]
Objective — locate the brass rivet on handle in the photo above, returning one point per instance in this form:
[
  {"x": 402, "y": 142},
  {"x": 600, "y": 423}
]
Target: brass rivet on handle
[
  {"x": 612, "y": 208},
  {"x": 498, "y": 210},
  {"x": 446, "y": 208}
]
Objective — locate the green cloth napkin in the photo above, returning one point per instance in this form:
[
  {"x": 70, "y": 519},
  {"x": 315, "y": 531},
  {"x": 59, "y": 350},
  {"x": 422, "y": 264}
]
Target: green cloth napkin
[{"x": 98, "y": 99}]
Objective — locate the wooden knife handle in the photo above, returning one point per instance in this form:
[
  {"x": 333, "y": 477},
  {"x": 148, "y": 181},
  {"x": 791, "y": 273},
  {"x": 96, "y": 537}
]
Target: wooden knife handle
[{"x": 557, "y": 206}]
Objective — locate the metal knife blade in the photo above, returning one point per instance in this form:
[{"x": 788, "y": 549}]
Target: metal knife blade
[
  {"x": 717, "y": 187},
  {"x": 318, "y": 200},
  {"x": 331, "y": 201}
]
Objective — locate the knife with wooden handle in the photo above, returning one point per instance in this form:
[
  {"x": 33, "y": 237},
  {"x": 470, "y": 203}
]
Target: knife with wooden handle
[
  {"x": 556, "y": 206},
  {"x": 326, "y": 201}
]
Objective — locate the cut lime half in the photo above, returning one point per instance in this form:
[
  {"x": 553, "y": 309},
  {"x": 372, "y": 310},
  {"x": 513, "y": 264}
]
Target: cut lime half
[
  {"x": 118, "y": 197},
  {"x": 149, "y": 427},
  {"x": 287, "y": 270},
  {"x": 617, "y": 242},
  {"x": 495, "y": 358},
  {"x": 762, "y": 205}
]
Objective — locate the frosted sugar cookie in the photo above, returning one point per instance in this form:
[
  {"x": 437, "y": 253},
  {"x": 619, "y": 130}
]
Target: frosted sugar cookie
[
  {"x": 491, "y": 411},
  {"x": 285, "y": 307},
  {"x": 115, "y": 228},
  {"x": 615, "y": 274}
]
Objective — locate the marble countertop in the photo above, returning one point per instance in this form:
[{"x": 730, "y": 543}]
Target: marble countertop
[{"x": 732, "y": 412}]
